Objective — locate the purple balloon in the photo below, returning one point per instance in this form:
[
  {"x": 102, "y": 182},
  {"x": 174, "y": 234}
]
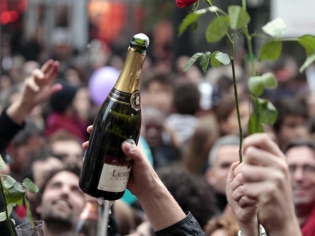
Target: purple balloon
[{"x": 101, "y": 83}]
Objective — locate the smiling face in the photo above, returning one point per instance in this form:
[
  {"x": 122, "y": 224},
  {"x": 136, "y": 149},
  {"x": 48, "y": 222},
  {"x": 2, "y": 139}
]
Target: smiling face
[
  {"x": 62, "y": 201},
  {"x": 301, "y": 162}
]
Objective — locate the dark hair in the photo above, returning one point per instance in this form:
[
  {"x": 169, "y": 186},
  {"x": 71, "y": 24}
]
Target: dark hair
[
  {"x": 37, "y": 199},
  {"x": 226, "y": 106},
  {"x": 299, "y": 143},
  {"x": 192, "y": 192},
  {"x": 186, "y": 98},
  {"x": 162, "y": 78},
  {"x": 30, "y": 130},
  {"x": 289, "y": 106}
]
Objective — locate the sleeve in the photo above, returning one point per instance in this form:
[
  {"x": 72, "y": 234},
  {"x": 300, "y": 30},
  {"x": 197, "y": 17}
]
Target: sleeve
[
  {"x": 187, "y": 226},
  {"x": 8, "y": 129}
]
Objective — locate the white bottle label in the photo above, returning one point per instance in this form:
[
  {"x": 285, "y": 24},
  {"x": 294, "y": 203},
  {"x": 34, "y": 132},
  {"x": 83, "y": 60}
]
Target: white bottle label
[{"x": 114, "y": 178}]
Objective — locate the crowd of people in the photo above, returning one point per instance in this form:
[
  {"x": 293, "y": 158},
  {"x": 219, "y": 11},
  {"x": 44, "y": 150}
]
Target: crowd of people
[{"x": 186, "y": 178}]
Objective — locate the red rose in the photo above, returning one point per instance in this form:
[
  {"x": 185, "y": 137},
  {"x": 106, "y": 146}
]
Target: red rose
[{"x": 184, "y": 3}]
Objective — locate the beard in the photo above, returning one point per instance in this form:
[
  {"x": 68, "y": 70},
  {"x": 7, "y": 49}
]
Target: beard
[{"x": 57, "y": 221}]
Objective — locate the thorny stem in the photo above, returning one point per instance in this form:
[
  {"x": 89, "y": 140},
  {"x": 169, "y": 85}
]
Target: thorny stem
[
  {"x": 235, "y": 89},
  {"x": 6, "y": 209}
]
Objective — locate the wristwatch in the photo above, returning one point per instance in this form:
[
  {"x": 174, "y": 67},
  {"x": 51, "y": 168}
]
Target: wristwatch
[{"x": 262, "y": 232}]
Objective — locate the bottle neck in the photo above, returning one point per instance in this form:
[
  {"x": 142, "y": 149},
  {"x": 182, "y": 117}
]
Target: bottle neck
[{"x": 130, "y": 77}]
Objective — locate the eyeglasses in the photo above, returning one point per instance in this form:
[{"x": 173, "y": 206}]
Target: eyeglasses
[{"x": 307, "y": 170}]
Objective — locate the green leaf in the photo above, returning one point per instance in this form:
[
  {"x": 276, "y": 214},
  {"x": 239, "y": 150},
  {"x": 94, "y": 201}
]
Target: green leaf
[
  {"x": 30, "y": 186},
  {"x": 28, "y": 211},
  {"x": 275, "y": 28},
  {"x": 215, "y": 62},
  {"x": 195, "y": 6},
  {"x": 2, "y": 163},
  {"x": 204, "y": 61},
  {"x": 254, "y": 124},
  {"x": 8, "y": 182},
  {"x": 269, "y": 80},
  {"x": 189, "y": 19},
  {"x": 15, "y": 194},
  {"x": 2, "y": 214},
  {"x": 192, "y": 60},
  {"x": 248, "y": 58},
  {"x": 223, "y": 58},
  {"x": 256, "y": 85},
  {"x": 217, "y": 29},
  {"x": 239, "y": 17},
  {"x": 308, "y": 43},
  {"x": 13, "y": 221},
  {"x": 270, "y": 50},
  {"x": 194, "y": 26},
  {"x": 267, "y": 112},
  {"x": 20, "y": 202}
]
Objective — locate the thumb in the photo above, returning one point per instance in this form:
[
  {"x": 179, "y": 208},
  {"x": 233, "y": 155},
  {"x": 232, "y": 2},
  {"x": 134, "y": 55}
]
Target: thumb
[
  {"x": 54, "y": 89},
  {"x": 231, "y": 174}
]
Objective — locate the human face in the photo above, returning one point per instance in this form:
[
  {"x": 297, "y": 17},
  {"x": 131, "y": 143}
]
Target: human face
[
  {"x": 292, "y": 127},
  {"x": 70, "y": 152},
  {"x": 62, "y": 201},
  {"x": 217, "y": 174},
  {"x": 230, "y": 125},
  {"x": 160, "y": 96},
  {"x": 301, "y": 162}
]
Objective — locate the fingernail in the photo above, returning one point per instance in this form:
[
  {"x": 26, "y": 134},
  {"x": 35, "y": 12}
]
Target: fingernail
[{"x": 129, "y": 145}]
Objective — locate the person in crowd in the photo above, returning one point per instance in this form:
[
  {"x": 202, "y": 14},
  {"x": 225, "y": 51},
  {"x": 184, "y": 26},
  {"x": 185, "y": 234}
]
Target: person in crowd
[
  {"x": 153, "y": 128},
  {"x": 224, "y": 152},
  {"x": 262, "y": 182},
  {"x": 192, "y": 192},
  {"x": 227, "y": 115},
  {"x": 66, "y": 147},
  {"x": 37, "y": 89},
  {"x": 157, "y": 91},
  {"x": 300, "y": 157},
  {"x": 224, "y": 225},
  {"x": 186, "y": 102},
  {"x": 64, "y": 115},
  {"x": 292, "y": 120},
  {"x": 201, "y": 141}
]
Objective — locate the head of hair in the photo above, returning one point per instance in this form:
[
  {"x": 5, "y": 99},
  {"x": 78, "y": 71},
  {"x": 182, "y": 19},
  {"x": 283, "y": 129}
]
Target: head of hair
[
  {"x": 192, "y": 192},
  {"x": 201, "y": 141},
  {"x": 30, "y": 130},
  {"x": 37, "y": 199},
  {"x": 226, "y": 222},
  {"x": 223, "y": 141},
  {"x": 161, "y": 78},
  {"x": 299, "y": 143},
  {"x": 226, "y": 106},
  {"x": 186, "y": 98},
  {"x": 289, "y": 106}
]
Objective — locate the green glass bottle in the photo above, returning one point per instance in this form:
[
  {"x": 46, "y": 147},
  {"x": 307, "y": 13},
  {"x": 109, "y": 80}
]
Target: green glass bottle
[{"x": 106, "y": 169}]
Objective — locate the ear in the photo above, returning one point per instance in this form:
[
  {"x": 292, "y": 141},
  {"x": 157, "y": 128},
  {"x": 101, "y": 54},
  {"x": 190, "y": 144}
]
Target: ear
[
  {"x": 209, "y": 176},
  {"x": 38, "y": 210}
]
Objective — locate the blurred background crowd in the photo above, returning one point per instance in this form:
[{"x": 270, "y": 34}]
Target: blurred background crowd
[{"x": 189, "y": 123}]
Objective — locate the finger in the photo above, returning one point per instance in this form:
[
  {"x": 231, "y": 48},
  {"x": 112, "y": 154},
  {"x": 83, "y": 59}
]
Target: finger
[
  {"x": 30, "y": 84},
  {"x": 133, "y": 152},
  {"x": 261, "y": 174},
  {"x": 45, "y": 68},
  {"x": 85, "y": 145},
  {"x": 262, "y": 141},
  {"x": 231, "y": 175},
  {"x": 237, "y": 182},
  {"x": 54, "y": 89},
  {"x": 238, "y": 193},
  {"x": 246, "y": 201},
  {"x": 256, "y": 156},
  {"x": 89, "y": 129},
  {"x": 51, "y": 73},
  {"x": 262, "y": 191},
  {"x": 238, "y": 169}
]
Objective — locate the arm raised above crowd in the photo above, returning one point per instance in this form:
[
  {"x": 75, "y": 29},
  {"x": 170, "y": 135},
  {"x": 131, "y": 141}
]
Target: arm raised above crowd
[
  {"x": 37, "y": 88},
  {"x": 262, "y": 182}
]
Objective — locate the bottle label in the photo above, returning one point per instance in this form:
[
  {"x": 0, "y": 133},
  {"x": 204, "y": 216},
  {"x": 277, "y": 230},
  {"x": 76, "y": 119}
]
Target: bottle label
[
  {"x": 120, "y": 97},
  {"x": 115, "y": 174}
]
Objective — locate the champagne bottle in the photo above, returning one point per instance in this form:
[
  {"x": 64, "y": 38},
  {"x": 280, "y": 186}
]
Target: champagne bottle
[{"x": 106, "y": 169}]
